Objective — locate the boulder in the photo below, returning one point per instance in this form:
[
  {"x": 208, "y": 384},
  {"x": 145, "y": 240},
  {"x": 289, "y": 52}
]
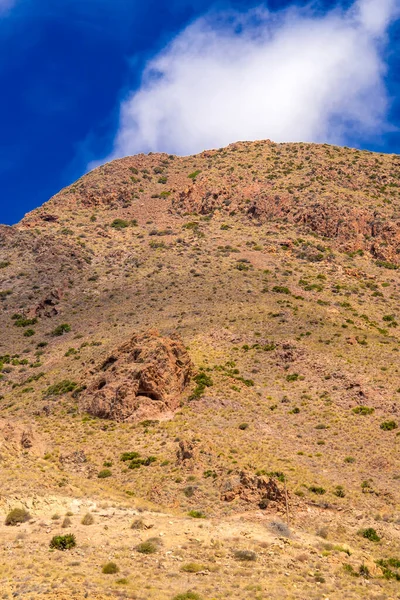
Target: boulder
[{"x": 142, "y": 379}]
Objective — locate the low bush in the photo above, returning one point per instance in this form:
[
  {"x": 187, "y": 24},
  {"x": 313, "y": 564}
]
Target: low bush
[
  {"x": 202, "y": 380},
  {"x": 119, "y": 224},
  {"x": 148, "y": 547},
  {"x": 388, "y": 425},
  {"x": 129, "y": 456},
  {"x": 60, "y": 388},
  {"x": 279, "y": 528},
  {"x": 370, "y": 534},
  {"x": 197, "y": 514},
  {"x": 187, "y": 596},
  {"x": 192, "y": 568},
  {"x": 66, "y": 523},
  {"x": 339, "y": 491},
  {"x": 280, "y": 289},
  {"x": 245, "y": 555},
  {"x": 17, "y": 516},
  {"x": 390, "y": 568},
  {"x": 104, "y": 474},
  {"x": 21, "y": 321},
  {"x": 110, "y": 568},
  {"x": 63, "y": 542},
  {"x": 363, "y": 410},
  {"x": 88, "y": 519},
  {"x": 61, "y": 329},
  {"x": 138, "y": 524}
]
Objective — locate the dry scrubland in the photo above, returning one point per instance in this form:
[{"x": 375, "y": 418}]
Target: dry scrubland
[{"x": 278, "y": 267}]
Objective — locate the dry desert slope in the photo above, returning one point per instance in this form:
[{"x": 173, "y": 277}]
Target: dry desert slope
[{"x": 200, "y": 380}]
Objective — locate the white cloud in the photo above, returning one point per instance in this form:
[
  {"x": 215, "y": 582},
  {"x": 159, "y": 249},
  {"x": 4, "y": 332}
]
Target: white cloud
[{"x": 287, "y": 76}]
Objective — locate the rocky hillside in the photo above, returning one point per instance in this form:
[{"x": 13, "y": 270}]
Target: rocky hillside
[{"x": 207, "y": 345}]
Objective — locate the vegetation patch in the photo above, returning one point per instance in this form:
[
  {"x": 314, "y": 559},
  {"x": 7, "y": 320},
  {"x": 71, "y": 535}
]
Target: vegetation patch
[
  {"x": 110, "y": 568},
  {"x": 369, "y": 534},
  {"x": 58, "y": 389},
  {"x": 388, "y": 425},
  {"x": 63, "y": 542},
  {"x": 17, "y": 516},
  {"x": 203, "y": 381}
]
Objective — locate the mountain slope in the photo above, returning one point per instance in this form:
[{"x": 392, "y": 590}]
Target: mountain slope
[{"x": 277, "y": 266}]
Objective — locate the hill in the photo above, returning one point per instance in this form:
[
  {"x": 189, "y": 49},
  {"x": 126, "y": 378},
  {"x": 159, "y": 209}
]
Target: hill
[{"x": 206, "y": 347}]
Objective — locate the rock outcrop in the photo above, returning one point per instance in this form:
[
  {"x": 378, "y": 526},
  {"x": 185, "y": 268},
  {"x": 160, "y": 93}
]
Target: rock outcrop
[
  {"x": 252, "y": 489},
  {"x": 16, "y": 437},
  {"x": 143, "y": 379}
]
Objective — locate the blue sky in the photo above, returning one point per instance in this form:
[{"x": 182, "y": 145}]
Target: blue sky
[{"x": 83, "y": 81}]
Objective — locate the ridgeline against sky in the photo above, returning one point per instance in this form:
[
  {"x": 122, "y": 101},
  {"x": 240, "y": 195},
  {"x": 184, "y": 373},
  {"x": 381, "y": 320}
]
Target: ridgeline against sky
[{"x": 84, "y": 82}]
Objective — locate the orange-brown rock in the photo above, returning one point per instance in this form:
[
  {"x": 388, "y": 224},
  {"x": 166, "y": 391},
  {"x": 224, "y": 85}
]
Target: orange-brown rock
[
  {"x": 142, "y": 379},
  {"x": 252, "y": 489}
]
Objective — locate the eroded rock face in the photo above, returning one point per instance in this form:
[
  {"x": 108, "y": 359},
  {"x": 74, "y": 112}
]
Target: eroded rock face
[
  {"x": 142, "y": 379},
  {"x": 16, "y": 437},
  {"x": 252, "y": 489}
]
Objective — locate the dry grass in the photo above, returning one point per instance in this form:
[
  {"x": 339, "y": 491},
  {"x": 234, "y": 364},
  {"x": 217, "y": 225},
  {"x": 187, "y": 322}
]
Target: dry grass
[{"x": 299, "y": 335}]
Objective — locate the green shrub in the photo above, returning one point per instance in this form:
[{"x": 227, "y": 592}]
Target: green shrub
[
  {"x": 280, "y": 289},
  {"x": 388, "y": 425},
  {"x": 187, "y": 596},
  {"x": 148, "y": 547},
  {"x": 241, "y": 266},
  {"x": 292, "y": 377},
  {"x": 58, "y": 389},
  {"x": 137, "y": 462},
  {"x": 119, "y": 224},
  {"x": 245, "y": 555},
  {"x": 363, "y": 410},
  {"x": 339, "y": 491},
  {"x": 29, "y": 333},
  {"x": 104, "y": 474},
  {"x": 194, "y": 174},
  {"x": 110, "y": 568},
  {"x": 390, "y": 568},
  {"x": 197, "y": 514},
  {"x": 315, "y": 489},
  {"x": 243, "y": 426},
  {"x": 202, "y": 380},
  {"x": 16, "y": 516},
  {"x": 23, "y": 322},
  {"x": 61, "y": 329},
  {"x": 129, "y": 456},
  {"x": 386, "y": 265},
  {"x": 276, "y": 475},
  {"x": 88, "y": 519},
  {"x": 192, "y": 568},
  {"x": 63, "y": 542},
  {"x": 370, "y": 534}
]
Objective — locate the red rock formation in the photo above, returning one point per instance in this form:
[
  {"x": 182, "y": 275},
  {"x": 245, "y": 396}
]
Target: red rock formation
[{"x": 142, "y": 379}]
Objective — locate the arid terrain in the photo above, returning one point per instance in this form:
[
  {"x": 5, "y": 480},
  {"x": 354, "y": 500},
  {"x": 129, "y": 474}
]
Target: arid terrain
[{"x": 200, "y": 379}]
